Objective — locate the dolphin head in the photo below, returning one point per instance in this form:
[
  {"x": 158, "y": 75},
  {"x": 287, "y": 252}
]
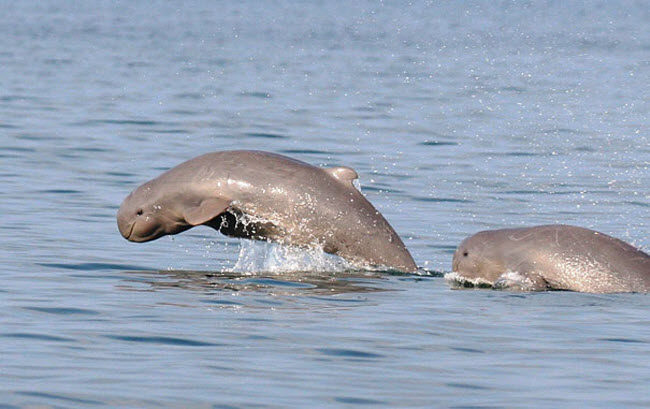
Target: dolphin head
[
  {"x": 150, "y": 212},
  {"x": 475, "y": 258}
]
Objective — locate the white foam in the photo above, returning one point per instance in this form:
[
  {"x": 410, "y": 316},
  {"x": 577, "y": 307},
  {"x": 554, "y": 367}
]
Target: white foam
[
  {"x": 261, "y": 256},
  {"x": 456, "y": 280},
  {"x": 514, "y": 281},
  {"x": 510, "y": 280}
]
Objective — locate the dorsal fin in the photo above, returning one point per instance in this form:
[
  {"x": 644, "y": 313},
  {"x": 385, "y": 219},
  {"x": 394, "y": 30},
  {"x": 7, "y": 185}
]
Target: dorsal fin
[{"x": 343, "y": 173}]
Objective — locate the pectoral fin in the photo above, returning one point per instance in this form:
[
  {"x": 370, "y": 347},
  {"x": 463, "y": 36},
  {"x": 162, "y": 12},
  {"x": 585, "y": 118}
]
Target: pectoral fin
[
  {"x": 525, "y": 277},
  {"x": 204, "y": 211}
]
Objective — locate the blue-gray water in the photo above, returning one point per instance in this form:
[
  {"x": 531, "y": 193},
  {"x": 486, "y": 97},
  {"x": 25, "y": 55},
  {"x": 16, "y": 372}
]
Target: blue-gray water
[{"x": 458, "y": 117}]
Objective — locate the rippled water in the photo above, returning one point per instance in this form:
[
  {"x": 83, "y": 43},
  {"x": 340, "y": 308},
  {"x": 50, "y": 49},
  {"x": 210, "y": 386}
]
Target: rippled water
[{"x": 458, "y": 117}]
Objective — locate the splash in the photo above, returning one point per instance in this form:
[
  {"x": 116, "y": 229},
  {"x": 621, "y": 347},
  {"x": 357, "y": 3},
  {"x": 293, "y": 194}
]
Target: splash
[
  {"x": 456, "y": 280},
  {"x": 510, "y": 280},
  {"x": 261, "y": 256}
]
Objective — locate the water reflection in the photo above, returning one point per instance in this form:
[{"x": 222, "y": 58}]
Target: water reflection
[{"x": 287, "y": 284}]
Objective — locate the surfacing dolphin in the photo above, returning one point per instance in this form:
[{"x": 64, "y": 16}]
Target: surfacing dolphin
[
  {"x": 265, "y": 196},
  {"x": 556, "y": 257}
]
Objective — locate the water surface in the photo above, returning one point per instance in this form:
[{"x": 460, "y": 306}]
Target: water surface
[{"x": 458, "y": 118}]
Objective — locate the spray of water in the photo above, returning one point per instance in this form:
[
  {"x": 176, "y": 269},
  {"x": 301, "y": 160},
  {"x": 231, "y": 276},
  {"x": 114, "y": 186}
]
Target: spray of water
[
  {"x": 510, "y": 280},
  {"x": 261, "y": 256}
]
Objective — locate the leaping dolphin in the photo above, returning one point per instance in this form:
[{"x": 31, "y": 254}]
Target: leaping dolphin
[{"x": 265, "y": 196}]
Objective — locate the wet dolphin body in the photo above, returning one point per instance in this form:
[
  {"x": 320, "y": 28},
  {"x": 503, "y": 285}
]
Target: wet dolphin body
[
  {"x": 265, "y": 196},
  {"x": 552, "y": 257}
]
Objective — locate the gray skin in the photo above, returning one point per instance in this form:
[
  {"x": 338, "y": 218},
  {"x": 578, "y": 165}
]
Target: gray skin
[
  {"x": 265, "y": 196},
  {"x": 556, "y": 257}
]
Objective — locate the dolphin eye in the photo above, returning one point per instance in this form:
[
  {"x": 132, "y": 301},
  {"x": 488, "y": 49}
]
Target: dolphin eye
[
  {"x": 465, "y": 254},
  {"x": 139, "y": 212}
]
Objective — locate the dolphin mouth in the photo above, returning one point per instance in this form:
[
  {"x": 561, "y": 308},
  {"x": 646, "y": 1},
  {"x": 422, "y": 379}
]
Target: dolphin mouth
[
  {"x": 127, "y": 234},
  {"x": 143, "y": 236}
]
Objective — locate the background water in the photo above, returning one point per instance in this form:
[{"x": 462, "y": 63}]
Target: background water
[{"x": 458, "y": 117}]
